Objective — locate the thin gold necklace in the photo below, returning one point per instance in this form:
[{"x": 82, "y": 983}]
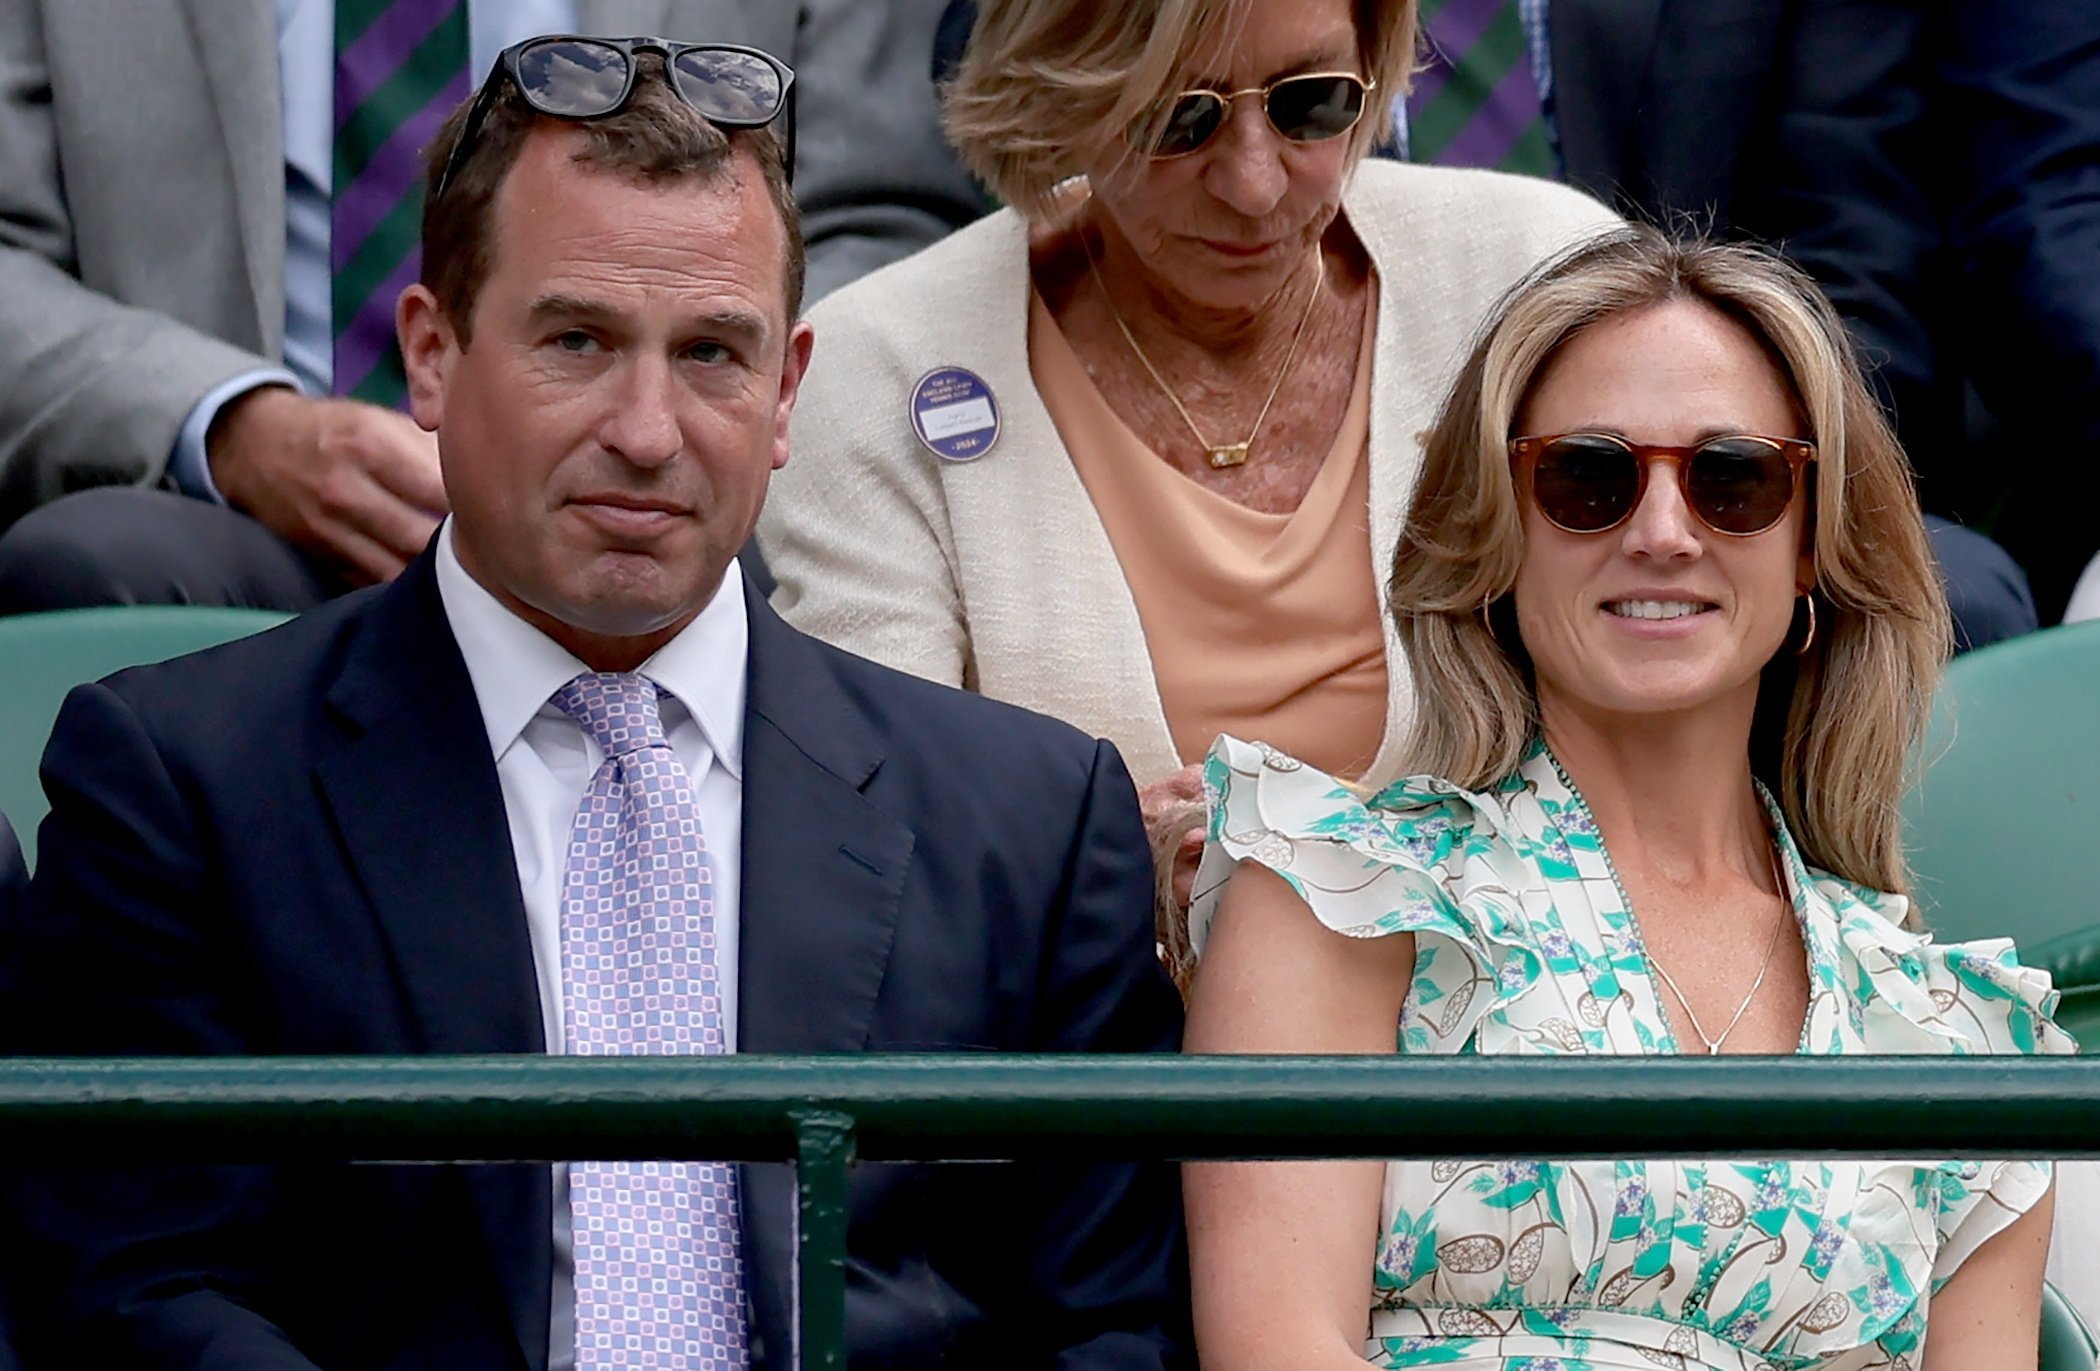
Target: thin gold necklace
[
  {"x": 1219, "y": 455},
  {"x": 1713, "y": 1045}
]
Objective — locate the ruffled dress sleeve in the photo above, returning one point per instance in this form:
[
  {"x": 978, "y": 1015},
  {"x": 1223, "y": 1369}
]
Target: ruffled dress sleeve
[
  {"x": 1884, "y": 988},
  {"x": 1997, "y": 1005},
  {"x": 1895, "y": 990},
  {"x": 1421, "y": 856}
]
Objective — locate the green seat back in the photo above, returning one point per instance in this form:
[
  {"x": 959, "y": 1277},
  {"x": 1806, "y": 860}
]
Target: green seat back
[
  {"x": 2067, "y": 1345},
  {"x": 42, "y": 656},
  {"x": 2004, "y": 823}
]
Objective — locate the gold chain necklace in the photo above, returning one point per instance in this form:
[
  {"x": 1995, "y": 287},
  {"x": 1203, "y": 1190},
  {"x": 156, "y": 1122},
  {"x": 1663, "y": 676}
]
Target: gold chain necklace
[
  {"x": 1713, "y": 1045},
  {"x": 1219, "y": 455}
]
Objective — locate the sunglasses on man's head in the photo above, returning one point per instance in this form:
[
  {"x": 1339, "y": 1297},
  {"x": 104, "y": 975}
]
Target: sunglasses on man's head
[
  {"x": 1738, "y": 484},
  {"x": 1304, "y": 109},
  {"x": 566, "y": 76}
]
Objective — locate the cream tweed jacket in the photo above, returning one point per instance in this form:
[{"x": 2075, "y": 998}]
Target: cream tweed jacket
[{"x": 995, "y": 574}]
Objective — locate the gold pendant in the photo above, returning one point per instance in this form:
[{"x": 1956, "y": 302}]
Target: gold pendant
[{"x": 1230, "y": 455}]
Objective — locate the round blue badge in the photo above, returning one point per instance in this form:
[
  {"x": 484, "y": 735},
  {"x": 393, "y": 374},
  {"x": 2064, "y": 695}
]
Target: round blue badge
[{"x": 954, "y": 414}]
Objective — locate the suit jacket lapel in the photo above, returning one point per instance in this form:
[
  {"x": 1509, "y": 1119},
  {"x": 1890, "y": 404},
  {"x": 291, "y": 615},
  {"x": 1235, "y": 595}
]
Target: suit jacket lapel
[
  {"x": 823, "y": 874},
  {"x": 236, "y": 41},
  {"x": 1602, "y": 54},
  {"x": 413, "y": 748}
]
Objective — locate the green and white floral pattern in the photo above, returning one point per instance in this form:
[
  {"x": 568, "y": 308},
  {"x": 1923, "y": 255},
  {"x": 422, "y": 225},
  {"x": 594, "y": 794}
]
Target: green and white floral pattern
[{"x": 1525, "y": 944}]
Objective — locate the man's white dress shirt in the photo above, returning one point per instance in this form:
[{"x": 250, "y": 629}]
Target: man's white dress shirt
[{"x": 544, "y": 764}]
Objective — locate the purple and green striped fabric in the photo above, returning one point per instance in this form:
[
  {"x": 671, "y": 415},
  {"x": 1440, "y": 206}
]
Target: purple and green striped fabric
[
  {"x": 400, "y": 67},
  {"x": 1475, "y": 102}
]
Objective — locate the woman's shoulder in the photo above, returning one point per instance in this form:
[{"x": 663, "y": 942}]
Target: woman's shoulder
[
  {"x": 1253, "y": 786},
  {"x": 1479, "y": 206},
  {"x": 910, "y": 296},
  {"x": 1456, "y": 869},
  {"x": 1448, "y": 242},
  {"x": 1420, "y": 855},
  {"x": 1883, "y": 987},
  {"x": 961, "y": 302}
]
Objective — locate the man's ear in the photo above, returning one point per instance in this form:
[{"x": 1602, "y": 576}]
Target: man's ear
[
  {"x": 802, "y": 341},
  {"x": 428, "y": 345}
]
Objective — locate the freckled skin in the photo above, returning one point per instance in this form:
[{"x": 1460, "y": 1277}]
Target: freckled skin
[
  {"x": 1247, "y": 185},
  {"x": 608, "y": 435},
  {"x": 1670, "y": 374},
  {"x": 1219, "y": 327}
]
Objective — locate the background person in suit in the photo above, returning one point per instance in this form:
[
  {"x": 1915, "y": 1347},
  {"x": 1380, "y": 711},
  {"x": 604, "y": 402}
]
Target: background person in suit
[
  {"x": 2022, "y": 115},
  {"x": 167, "y": 322},
  {"x": 401, "y": 843}
]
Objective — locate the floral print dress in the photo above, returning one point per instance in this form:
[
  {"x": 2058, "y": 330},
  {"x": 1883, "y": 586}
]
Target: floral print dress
[{"x": 1525, "y": 943}]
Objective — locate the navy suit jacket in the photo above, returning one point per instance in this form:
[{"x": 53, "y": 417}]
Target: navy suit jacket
[
  {"x": 2023, "y": 122},
  {"x": 1795, "y": 122},
  {"x": 325, "y": 867},
  {"x": 13, "y": 874}
]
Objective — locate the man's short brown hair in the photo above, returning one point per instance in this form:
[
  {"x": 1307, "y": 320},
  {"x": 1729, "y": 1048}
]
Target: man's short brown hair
[{"x": 656, "y": 136}]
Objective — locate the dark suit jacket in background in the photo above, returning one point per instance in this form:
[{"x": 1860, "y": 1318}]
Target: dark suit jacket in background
[
  {"x": 2021, "y": 126},
  {"x": 1795, "y": 122},
  {"x": 13, "y": 874},
  {"x": 328, "y": 870}
]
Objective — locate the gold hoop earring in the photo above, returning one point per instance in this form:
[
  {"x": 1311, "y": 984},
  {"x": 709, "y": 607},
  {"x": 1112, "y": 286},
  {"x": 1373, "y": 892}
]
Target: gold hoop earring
[{"x": 1809, "y": 637}]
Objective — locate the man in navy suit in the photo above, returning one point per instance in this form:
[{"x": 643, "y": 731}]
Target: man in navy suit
[
  {"x": 2022, "y": 101},
  {"x": 397, "y": 825}
]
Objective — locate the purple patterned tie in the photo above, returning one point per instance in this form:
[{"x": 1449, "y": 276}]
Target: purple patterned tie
[{"x": 659, "y": 1268}]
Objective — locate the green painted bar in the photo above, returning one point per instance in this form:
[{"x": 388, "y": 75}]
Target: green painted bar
[
  {"x": 824, "y": 1150},
  {"x": 907, "y": 1108},
  {"x": 823, "y": 1112}
]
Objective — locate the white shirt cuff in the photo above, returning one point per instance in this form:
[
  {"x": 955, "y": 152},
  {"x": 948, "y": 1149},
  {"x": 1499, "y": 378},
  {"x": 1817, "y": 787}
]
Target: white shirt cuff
[{"x": 189, "y": 464}]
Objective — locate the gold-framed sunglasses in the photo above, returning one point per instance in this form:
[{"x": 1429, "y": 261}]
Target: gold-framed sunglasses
[{"x": 1310, "y": 108}]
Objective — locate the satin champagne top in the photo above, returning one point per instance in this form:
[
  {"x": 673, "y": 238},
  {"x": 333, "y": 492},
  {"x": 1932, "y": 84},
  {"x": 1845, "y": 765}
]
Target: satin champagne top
[{"x": 1259, "y": 625}]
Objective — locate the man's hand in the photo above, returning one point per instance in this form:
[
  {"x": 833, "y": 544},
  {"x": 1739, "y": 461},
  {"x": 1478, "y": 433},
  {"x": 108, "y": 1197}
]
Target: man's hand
[{"x": 353, "y": 484}]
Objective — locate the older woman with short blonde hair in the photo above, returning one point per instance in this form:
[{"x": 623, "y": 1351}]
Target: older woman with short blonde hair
[
  {"x": 1674, "y": 624},
  {"x": 1042, "y": 81},
  {"x": 1134, "y": 451}
]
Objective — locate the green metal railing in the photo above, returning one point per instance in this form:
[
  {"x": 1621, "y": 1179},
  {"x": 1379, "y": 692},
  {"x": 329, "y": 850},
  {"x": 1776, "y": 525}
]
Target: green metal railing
[{"x": 823, "y": 1113}]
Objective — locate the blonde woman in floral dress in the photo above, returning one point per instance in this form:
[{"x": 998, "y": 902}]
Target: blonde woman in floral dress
[{"x": 1673, "y": 623}]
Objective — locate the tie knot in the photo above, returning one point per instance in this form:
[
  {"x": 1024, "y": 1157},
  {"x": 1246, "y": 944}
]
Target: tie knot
[{"x": 617, "y": 708}]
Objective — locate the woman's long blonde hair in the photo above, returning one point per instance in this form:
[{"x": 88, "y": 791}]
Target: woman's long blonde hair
[{"x": 1835, "y": 726}]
